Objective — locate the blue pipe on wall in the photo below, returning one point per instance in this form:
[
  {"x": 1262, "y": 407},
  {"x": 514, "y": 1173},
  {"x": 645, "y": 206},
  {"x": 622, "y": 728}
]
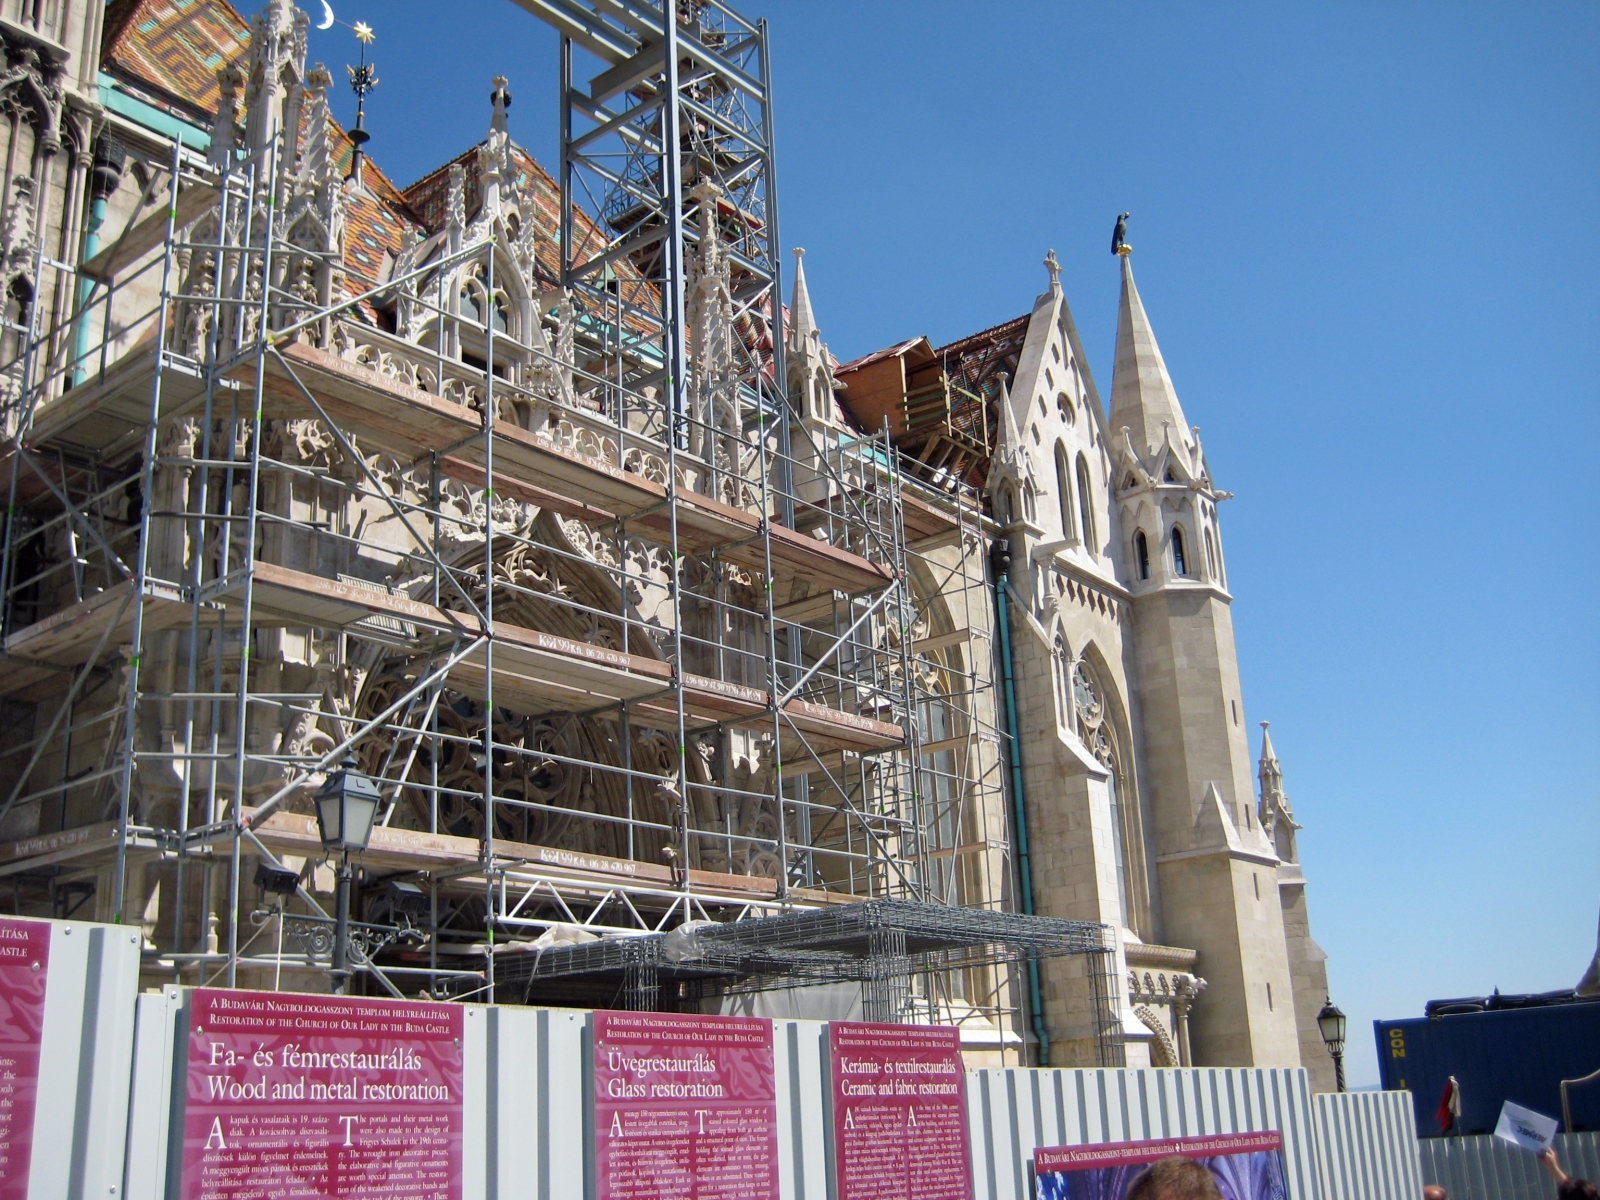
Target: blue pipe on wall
[
  {"x": 1001, "y": 559},
  {"x": 105, "y": 173},
  {"x": 91, "y": 247}
]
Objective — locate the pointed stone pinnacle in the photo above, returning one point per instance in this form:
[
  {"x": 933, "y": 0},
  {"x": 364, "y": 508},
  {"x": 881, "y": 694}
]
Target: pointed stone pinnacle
[
  {"x": 1142, "y": 395},
  {"x": 802, "y": 321}
]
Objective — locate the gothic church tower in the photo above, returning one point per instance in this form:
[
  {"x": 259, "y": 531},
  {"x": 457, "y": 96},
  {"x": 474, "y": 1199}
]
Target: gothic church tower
[{"x": 1217, "y": 870}]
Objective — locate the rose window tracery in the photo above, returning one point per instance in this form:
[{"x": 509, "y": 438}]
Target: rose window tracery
[
  {"x": 1086, "y": 701},
  {"x": 1094, "y": 728}
]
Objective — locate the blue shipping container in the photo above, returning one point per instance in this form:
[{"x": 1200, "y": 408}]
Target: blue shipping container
[{"x": 1521, "y": 1055}]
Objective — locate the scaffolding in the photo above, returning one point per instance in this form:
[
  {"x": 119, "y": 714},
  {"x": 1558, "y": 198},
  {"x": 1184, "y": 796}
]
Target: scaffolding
[{"x": 536, "y": 539}]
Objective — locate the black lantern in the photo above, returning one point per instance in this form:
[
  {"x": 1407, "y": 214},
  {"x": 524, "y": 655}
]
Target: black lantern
[
  {"x": 347, "y": 805},
  {"x": 1331, "y": 1023}
]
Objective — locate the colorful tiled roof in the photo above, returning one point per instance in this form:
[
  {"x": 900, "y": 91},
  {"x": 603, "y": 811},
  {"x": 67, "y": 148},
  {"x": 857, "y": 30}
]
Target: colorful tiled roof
[
  {"x": 378, "y": 221},
  {"x": 175, "y": 47},
  {"x": 428, "y": 199}
]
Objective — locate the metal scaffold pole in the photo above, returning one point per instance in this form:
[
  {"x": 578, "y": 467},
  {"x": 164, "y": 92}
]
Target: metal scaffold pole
[{"x": 136, "y": 639}]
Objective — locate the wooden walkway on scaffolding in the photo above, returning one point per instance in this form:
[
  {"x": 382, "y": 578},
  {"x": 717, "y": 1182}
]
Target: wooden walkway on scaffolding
[
  {"x": 534, "y": 672},
  {"x": 403, "y": 851},
  {"x": 108, "y": 415}
]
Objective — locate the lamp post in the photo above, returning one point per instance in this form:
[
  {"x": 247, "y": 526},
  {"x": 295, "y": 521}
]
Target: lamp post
[
  {"x": 1331, "y": 1023},
  {"x": 347, "y": 804}
]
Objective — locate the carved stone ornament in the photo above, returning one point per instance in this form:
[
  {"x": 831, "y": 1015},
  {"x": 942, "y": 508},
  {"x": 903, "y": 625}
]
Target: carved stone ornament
[
  {"x": 1085, "y": 698},
  {"x": 30, "y": 86}
]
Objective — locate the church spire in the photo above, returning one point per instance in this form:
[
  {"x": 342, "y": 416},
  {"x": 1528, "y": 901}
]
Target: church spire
[
  {"x": 1143, "y": 400},
  {"x": 1269, "y": 760},
  {"x": 1277, "y": 818},
  {"x": 802, "y": 322},
  {"x": 810, "y": 368},
  {"x": 1010, "y": 483},
  {"x": 1009, "y": 448}
]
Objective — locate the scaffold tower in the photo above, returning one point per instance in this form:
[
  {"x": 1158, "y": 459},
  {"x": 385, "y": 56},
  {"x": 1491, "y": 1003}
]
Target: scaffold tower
[{"x": 535, "y": 531}]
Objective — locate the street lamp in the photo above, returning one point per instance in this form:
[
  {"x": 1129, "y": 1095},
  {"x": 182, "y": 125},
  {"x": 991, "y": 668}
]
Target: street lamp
[
  {"x": 347, "y": 804},
  {"x": 1331, "y": 1023}
]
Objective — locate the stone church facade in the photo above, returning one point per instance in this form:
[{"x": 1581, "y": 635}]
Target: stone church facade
[
  {"x": 1133, "y": 742},
  {"x": 1136, "y": 786}
]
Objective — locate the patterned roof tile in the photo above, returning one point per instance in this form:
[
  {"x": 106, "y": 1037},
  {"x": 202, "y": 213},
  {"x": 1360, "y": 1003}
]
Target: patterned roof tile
[{"x": 175, "y": 47}]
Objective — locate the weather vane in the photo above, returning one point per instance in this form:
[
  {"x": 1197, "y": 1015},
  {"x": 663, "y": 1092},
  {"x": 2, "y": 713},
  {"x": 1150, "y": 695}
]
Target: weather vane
[{"x": 363, "y": 79}]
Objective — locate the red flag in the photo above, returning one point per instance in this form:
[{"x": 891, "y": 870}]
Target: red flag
[{"x": 1449, "y": 1106}]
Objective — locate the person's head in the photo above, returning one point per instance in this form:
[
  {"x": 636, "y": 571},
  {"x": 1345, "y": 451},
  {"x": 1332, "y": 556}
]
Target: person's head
[
  {"x": 1434, "y": 1192},
  {"x": 1174, "y": 1178},
  {"x": 1577, "y": 1189}
]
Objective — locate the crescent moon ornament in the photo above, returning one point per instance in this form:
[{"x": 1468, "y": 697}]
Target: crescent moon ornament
[{"x": 327, "y": 16}]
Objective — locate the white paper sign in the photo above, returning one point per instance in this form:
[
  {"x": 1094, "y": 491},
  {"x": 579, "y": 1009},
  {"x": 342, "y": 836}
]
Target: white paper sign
[{"x": 1526, "y": 1128}]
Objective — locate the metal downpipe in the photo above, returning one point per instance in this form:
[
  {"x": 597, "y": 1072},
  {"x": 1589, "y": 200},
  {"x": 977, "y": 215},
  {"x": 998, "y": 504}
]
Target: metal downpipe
[
  {"x": 1000, "y": 558},
  {"x": 105, "y": 173}
]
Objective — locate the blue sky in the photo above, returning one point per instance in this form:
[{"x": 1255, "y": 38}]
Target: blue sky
[{"x": 1368, "y": 236}]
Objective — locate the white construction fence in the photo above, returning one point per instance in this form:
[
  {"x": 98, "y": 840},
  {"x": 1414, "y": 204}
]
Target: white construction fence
[
  {"x": 1483, "y": 1167},
  {"x": 190, "y": 1093}
]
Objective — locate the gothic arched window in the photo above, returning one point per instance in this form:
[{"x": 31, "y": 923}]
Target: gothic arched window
[
  {"x": 1141, "y": 554},
  {"x": 1180, "y": 562},
  {"x": 475, "y": 300},
  {"x": 937, "y": 720},
  {"x": 1211, "y": 554},
  {"x": 1064, "y": 490},
  {"x": 1094, "y": 729},
  {"x": 1085, "y": 505}
]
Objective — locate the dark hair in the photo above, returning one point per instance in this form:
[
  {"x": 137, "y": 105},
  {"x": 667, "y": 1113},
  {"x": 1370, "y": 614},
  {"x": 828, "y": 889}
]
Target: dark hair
[
  {"x": 1175, "y": 1178},
  {"x": 1576, "y": 1189}
]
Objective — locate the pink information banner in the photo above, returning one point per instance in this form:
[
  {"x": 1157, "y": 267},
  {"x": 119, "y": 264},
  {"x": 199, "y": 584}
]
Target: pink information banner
[
  {"x": 899, "y": 1112},
  {"x": 686, "y": 1107},
  {"x": 24, "y": 965},
  {"x": 302, "y": 1097}
]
